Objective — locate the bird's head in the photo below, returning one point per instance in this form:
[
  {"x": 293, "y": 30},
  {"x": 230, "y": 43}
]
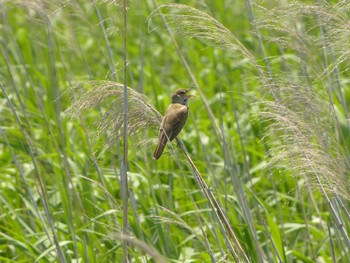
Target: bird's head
[{"x": 181, "y": 96}]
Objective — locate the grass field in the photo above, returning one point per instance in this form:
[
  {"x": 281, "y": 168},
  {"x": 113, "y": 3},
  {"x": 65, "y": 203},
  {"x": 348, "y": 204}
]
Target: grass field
[{"x": 260, "y": 172}]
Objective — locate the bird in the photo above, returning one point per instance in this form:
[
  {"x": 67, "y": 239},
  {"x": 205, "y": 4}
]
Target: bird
[{"x": 173, "y": 121}]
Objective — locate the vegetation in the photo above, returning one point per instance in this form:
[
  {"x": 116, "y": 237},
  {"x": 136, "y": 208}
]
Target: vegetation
[{"x": 260, "y": 174}]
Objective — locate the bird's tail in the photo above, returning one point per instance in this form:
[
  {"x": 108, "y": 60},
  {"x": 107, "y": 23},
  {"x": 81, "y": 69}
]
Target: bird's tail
[{"x": 162, "y": 141}]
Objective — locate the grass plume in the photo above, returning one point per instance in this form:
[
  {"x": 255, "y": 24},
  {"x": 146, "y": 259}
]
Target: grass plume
[{"x": 108, "y": 97}]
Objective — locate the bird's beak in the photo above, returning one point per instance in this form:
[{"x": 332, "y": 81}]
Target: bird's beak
[{"x": 189, "y": 95}]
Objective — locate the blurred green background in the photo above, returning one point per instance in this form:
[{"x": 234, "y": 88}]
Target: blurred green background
[{"x": 268, "y": 131}]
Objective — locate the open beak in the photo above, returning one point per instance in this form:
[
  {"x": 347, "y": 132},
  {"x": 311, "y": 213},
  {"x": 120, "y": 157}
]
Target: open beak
[{"x": 189, "y": 95}]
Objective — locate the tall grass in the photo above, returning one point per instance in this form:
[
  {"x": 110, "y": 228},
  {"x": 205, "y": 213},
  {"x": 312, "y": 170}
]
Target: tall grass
[{"x": 260, "y": 173}]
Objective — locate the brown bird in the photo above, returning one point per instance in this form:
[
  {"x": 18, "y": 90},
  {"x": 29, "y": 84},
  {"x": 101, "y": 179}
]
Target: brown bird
[{"x": 173, "y": 121}]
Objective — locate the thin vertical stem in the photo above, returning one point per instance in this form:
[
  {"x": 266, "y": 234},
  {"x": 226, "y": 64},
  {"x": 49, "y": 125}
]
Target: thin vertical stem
[{"x": 124, "y": 174}]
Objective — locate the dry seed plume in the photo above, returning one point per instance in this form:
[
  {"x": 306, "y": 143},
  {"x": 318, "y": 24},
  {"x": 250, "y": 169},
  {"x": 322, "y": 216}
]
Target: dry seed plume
[{"x": 108, "y": 97}]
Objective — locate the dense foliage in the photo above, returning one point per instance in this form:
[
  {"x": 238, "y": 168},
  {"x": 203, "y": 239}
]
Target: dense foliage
[{"x": 261, "y": 173}]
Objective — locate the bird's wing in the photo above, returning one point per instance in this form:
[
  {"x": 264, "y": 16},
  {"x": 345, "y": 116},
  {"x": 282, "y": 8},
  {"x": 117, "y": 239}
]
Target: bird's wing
[
  {"x": 162, "y": 141},
  {"x": 174, "y": 120}
]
